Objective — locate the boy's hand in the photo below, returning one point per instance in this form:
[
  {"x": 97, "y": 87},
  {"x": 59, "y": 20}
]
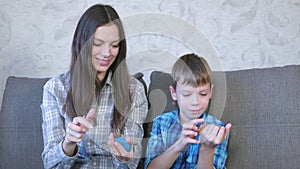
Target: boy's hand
[
  {"x": 212, "y": 135},
  {"x": 188, "y": 135}
]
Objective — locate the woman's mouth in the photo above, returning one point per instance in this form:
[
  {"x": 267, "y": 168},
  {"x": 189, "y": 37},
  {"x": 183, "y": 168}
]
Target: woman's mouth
[{"x": 103, "y": 62}]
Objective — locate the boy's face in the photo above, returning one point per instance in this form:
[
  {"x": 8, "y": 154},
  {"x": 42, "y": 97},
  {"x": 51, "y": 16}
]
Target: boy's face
[{"x": 192, "y": 101}]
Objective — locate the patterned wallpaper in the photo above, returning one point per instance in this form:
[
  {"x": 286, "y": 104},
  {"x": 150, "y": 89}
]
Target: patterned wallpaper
[{"x": 35, "y": 36}]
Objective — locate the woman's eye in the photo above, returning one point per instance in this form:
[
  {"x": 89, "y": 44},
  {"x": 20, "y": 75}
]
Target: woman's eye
[
  {"x": 115, "y": 46},
  {"x": 97, "y": 44}
]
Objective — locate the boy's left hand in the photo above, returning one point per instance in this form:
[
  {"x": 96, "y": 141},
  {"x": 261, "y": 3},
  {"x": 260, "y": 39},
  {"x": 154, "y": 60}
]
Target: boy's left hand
[{"x": 212, "y": 135}]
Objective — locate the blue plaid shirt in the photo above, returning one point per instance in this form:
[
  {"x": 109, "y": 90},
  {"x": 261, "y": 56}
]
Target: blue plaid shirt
[{"x": 166, "y": 131}]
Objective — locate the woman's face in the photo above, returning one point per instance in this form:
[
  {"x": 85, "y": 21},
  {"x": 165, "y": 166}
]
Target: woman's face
[{"x": 105, "y": 48}]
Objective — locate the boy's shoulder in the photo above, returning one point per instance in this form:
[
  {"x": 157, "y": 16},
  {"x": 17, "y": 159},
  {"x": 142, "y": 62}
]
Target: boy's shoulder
[{"x": 168, "y": 116}]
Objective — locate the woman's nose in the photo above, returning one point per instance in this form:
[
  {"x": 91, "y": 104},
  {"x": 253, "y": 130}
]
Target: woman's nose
[{"x": 105, "y": 51}]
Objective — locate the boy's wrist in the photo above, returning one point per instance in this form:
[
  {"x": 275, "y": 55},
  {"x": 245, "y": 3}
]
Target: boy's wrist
[{"x": 207, "y": 149}]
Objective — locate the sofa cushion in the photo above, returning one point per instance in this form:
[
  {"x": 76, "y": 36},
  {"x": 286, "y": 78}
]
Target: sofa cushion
[
  {"x": 21, "y": 142},
  {"x": 264, "y": 107}
]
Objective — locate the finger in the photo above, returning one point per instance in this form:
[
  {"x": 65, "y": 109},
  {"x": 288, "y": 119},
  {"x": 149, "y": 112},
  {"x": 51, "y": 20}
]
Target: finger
[
  {"x": 73, "y": 126},
  {"x": 120, "y": 149},
  {"x": 227, "y": 128},
  {"x": 73, "y": 136},
  {"x": 197, "y": 121},
  {"x": 189, "y": 133},
  {"x": 220, "y": 136},
  {"x": 90, "y": 115},
  {"x": 111, "y": 144},
  {"x": 82, "y": 121},
  {"x": 191, "y": 140},
  {"x": 209, "y": 128}
]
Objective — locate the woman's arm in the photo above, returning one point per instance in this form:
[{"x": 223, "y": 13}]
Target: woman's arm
[
  {"x": 134, "y": 124},
  {"x": 53, "y": 129}
]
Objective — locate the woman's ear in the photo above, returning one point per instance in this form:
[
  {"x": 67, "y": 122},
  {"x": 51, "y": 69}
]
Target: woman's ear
[{"x": 173, "y": 92}]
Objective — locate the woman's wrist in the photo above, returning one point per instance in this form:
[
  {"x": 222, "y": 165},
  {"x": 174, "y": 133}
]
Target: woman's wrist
[{"x": 69, "y": 147}]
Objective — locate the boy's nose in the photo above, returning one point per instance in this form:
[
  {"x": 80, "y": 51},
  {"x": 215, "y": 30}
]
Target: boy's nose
[{"x": 195, "y": 100}]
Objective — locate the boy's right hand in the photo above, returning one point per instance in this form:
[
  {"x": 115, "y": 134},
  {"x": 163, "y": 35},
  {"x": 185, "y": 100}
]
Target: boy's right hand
[{"x": 188, "y": 135}]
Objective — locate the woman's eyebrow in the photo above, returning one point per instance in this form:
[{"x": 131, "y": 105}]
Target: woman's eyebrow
[{"x": 115, "y": 41}]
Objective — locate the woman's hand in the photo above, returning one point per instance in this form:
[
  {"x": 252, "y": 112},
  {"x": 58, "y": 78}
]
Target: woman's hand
[
  {"x": 75, "y": 131},
  {"x": 119, "y": 151}
]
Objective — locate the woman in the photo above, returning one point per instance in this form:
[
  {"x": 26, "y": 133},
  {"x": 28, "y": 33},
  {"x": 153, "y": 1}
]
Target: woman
[{"x": 86, "y": 108}]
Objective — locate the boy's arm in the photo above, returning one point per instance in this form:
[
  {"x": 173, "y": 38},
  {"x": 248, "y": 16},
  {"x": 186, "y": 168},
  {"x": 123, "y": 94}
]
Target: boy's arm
[
  {"x": 168, "y": 157},
  {"x": 206, "y": 156},
  {"x": 211, "y": 136}
]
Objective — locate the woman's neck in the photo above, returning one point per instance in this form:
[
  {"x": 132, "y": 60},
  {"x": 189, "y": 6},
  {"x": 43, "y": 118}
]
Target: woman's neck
[{"x": 101, "y": 76}]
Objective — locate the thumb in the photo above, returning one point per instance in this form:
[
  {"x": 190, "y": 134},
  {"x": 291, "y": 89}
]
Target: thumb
[
  {"x": 90, "y": 115},
  {"x": 227, "y": 128}
]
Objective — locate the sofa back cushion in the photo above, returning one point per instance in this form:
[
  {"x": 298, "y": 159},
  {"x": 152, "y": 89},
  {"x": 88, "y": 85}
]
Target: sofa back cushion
[
  {"x": 21, "y": 142},
  {"x": 264, "y": 107}
]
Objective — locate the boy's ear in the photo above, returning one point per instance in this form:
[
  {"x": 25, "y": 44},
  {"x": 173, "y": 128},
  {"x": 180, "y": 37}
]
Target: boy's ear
[
  {"x": 211, "y": 90},
  {"x": 173, "y": 92}
]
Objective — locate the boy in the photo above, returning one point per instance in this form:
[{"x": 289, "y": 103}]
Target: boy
[{"x": 188, "y": 137}]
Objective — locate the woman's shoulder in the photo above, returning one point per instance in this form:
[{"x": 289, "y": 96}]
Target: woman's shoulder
[
  {"x": 60, "y": 81},
  {"x": 137, "y": 83}
]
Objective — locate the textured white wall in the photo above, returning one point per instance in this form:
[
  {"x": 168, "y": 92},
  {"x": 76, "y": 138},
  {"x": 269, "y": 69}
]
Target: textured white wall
[{"x": 35, "y": 36}]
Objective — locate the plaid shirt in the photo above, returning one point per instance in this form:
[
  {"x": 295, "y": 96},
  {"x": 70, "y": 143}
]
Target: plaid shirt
[
  {"x": 93, "y": 151},
  {"x": 166, "y": 131}
]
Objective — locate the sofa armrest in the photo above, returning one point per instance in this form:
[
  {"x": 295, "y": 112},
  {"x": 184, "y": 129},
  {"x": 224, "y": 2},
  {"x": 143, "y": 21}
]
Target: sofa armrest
[{"x": 20, "y": 123}]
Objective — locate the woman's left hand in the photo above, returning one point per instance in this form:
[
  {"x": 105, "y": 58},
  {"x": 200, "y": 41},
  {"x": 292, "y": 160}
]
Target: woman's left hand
[{"x": 119, "y": 151}]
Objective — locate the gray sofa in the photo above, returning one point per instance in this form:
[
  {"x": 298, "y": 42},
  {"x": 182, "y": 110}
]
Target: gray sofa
[{"x": 262, "y": 104}]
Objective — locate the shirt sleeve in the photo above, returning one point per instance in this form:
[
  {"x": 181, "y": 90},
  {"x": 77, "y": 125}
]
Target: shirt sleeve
[
  {"x": 53, "y": 130},
  {"x": 134, "y": 124},
  {"x": 155, "y": 143},
  {"x": 221, "y": 154}
]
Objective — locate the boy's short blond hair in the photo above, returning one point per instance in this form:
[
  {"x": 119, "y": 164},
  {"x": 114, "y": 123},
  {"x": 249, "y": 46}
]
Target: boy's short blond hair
[{"x": 192, "y": 70}]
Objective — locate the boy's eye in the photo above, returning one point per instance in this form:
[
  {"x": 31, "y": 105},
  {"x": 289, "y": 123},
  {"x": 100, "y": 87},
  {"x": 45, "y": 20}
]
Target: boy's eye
[
  {"x": 203, "y": 94},
  {"x": 186, "y": 95}
]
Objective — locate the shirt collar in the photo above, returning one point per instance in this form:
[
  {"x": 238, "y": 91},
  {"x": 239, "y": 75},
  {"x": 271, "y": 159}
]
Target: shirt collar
[{"x": 109, "y": 79}]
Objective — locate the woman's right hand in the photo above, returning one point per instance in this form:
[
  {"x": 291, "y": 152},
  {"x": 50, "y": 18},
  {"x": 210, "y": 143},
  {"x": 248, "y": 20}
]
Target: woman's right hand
[{"x": 75, "y": 131}]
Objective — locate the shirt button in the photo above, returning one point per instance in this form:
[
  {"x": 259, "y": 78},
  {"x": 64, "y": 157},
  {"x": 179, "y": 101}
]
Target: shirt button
[
  {"x": 88, "y": 143},
  {"x": 94, "y": 163}
]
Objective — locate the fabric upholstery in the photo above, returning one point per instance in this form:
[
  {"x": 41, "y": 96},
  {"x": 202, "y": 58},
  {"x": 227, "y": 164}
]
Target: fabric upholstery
[
  {"x": 264, "y": 107},
  {"x": 262, "y": 104},
  {"x": 21, "y": 142}
]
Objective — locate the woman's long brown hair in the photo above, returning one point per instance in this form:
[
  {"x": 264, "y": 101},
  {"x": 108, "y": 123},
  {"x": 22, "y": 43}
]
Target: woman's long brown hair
[{"x": 84, "y": 85}]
